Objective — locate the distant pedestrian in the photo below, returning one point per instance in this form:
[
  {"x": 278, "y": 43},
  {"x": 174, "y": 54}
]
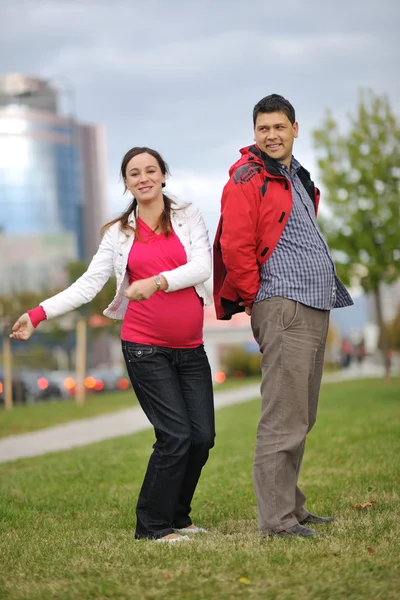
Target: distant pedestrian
[
  {"x": 272, "y": 261},
  {"x": 160, "y": 254},
  {"x": 359, "y": 352},
  {"x": 347, "y": 352}
]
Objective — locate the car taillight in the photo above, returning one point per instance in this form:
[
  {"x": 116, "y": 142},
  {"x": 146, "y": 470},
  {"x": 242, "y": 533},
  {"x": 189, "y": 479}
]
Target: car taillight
[
  {"x": 99, "y": 385},
  {"x": 43, "y": 384},
  {"x": 220, "y": 377},
  {"x": 123, "y": 383},
  {"x": 90, "y": 383},
  {"x": 69, "y": 383}
]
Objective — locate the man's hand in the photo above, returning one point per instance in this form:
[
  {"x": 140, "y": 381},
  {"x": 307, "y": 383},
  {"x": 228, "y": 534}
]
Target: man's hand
[
  {"x": 22, "y": 329},
  {"x": 247, "y": 309},
  {"x": 142, "y": 289}
]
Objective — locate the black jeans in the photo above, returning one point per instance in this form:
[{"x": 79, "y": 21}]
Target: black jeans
[{"x": 174, "y": 388}]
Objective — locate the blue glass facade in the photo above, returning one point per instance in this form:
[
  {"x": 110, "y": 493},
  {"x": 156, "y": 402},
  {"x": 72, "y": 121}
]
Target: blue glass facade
[{"x": 41, "y": 189}]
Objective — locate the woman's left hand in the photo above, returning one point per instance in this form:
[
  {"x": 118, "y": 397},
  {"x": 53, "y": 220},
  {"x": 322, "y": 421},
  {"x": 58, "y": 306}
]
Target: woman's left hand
[{"x": 142, "y": 289}]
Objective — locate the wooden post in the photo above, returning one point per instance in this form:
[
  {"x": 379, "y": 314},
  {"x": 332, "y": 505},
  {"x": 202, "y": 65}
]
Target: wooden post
[
  {"x": 80, "y": 361},
  {"x": 8, "y": 399}
]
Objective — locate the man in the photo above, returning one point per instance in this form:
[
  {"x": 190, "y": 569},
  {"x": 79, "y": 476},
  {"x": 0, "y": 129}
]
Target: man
[{"x": 271, "y": 260}]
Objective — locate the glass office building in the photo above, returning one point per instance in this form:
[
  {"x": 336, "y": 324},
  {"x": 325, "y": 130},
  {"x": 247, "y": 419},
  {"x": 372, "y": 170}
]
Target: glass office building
[
  {"x": 52, "y": 184},
  {"x": 41, "y": 188}
]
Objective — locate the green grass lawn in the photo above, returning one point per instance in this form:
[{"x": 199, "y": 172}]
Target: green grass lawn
[
  {"x": 67, "y": 519},
  {"x": 25, "y": 418}
]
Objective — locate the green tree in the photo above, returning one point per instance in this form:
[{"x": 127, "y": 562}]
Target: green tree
[{"x": 360, "y": 171}]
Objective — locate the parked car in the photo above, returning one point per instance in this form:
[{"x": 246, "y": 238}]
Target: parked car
[
  {"x": 39, "y": 386},
  {"x": 107, "y": 380},
  {"x": 19, "y": 389},
  {"x": 65, "y": 382}
]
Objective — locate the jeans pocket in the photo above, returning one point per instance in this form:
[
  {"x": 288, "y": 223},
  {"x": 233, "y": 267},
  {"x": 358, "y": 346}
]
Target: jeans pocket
[
  {"x": 288, "y": 313},
  {"x": 139, "y": 352}
]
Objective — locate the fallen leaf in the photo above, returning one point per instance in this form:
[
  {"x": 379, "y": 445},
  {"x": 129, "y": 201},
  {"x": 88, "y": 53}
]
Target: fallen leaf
[
  {"x": 168, "y": 577},
  {"x": 244, "y": 580},
  {"x": 208, "y": 502},
  {"x": 366, "y": 504},
  {"x": 371, "y": 550}
]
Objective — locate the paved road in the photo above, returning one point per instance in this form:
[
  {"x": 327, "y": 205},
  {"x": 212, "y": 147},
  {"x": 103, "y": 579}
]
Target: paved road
[{"x": 132, "y": 420}]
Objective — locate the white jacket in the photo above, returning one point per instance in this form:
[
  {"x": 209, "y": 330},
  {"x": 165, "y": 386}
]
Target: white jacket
[{"x": 112, "y": 256}]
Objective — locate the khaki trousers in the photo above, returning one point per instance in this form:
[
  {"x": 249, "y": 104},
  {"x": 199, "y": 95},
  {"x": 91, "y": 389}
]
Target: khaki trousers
[{"x": 292, "y": 339}]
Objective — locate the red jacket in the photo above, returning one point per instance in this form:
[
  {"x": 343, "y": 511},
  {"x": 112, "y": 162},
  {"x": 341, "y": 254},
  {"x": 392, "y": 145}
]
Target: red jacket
[{"x": 255, "y": 207}]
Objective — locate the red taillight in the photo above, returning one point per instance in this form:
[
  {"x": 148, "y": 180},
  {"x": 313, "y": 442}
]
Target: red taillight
[
  {"x": 43, "y": 384},
  {"x": 99, "y": 385},
  {"x": 123, "y": 383},
  {"x": 1, "y": 387},
  {"x": 219, "y": 376}
]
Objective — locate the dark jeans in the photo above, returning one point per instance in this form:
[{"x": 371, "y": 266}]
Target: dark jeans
[{"x": 174, "y": 388}]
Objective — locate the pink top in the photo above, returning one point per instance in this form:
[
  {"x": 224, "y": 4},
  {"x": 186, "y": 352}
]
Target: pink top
[{"x": 169, "y": 319}]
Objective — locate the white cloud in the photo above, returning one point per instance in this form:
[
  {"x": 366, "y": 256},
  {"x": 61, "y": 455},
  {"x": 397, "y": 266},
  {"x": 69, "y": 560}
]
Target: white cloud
[
  {"x": 205, "y": 56},
  {"x": 157, "y": 41}
]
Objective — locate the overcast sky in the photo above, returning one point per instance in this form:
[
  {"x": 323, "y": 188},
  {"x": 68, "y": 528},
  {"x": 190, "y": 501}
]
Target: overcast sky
[{"x": 183, "y": 76}]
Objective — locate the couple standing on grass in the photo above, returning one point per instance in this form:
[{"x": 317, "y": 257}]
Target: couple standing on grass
[{"x": 271, "y": 261}]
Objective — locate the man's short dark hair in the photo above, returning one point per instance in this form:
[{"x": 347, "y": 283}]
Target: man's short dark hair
[{"x": 274, "y": 103}]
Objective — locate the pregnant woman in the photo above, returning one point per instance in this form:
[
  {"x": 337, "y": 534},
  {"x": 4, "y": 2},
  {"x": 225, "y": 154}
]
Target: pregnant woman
[{"x": 161, "y": 257}]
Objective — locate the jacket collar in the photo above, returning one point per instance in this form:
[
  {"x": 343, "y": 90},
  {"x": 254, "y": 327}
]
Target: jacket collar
[
  {"x": 270, "y": 164},
  {"x": 132, "y": 216}
]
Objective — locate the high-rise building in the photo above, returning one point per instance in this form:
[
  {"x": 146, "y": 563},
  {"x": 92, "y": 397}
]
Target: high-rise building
[
  {"x": 94, "y": 167},
  {"x": 52, "y": 182}
]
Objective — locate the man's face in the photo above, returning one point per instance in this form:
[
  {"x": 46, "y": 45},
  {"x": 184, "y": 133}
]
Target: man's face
[{"x": 274, "y": 134}]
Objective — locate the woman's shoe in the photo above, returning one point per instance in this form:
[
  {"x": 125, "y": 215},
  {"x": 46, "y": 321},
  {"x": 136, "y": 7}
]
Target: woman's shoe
[{"x": 192, "y": 529}]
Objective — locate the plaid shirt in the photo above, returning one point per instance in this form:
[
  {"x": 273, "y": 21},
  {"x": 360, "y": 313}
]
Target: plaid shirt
[{"x": 301, "y": 267}]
